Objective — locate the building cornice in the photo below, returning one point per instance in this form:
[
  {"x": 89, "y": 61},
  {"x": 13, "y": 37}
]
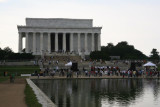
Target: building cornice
[
  {"x": 57, "y": 19},
  {"x": 21, "y": 26}
]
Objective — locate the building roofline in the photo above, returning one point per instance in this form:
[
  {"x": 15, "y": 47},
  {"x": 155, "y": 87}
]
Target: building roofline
[
  {"x": 57, "y": 19},
  {"x": 21, "y": 26}
]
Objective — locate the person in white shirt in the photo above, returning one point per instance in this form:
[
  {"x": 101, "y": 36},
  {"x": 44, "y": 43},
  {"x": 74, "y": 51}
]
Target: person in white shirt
[
  {"x": 86, "y": 72},
  {"x": 96, "y": 72}
]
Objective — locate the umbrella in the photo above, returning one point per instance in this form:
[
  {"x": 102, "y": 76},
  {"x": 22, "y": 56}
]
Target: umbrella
[{"x": 149, "y": 64}]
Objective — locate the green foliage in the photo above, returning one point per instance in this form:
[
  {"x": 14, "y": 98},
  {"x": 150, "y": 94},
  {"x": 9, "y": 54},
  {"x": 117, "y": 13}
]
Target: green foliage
[
  {"x": 8, "y": 50},
  {"x": 30, "y": 97},
  {"x": 154, "y": 54},
  {"x": 158, "y": 67},
  {"x": 99, "y": 55},
  {"x": 122, "y": 49},
  {"x": 8, "y": 54},
  {"x": 18, "y": 70}
]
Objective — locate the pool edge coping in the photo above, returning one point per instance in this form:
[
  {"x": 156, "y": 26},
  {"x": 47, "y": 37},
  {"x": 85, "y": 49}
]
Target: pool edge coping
[{"x": 42, "y": 98}]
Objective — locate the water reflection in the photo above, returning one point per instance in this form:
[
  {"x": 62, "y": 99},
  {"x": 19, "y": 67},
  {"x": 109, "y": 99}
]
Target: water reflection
[{"x": 100, "y": 92}]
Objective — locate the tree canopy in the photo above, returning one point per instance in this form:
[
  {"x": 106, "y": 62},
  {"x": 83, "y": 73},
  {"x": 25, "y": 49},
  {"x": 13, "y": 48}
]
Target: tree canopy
[
  {"x": 154, "y": 54},
  {"x": 122, "y": 49},
  {"x": 8, "y": 54}
]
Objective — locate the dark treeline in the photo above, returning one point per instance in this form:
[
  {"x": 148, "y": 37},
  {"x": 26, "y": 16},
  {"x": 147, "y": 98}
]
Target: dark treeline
[
  {"x": 123, "y": 50},
  {"x": 8, "y": 54}
]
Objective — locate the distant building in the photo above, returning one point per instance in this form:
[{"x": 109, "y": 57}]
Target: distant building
[{"x": 51, "y": 35}]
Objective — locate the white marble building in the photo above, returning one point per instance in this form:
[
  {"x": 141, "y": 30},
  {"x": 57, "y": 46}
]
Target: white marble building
[{"x": 50, "y": 35}]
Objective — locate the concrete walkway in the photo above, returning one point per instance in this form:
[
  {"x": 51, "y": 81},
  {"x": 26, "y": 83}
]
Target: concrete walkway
[{"x": 12, "y": 94}]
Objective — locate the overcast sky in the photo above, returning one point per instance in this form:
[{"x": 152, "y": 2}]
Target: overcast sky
[{"x": 134, "y": 21}]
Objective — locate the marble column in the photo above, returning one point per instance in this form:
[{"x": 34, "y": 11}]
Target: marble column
[
  {"x": 27, "y": 47},
  {"x": 86, "y": 43},
  {"x": 34, "y": 43},
  {"x": 49, "y": 42},
  {"x": 41, "y": 42},
  {"x": 56, "y": 42},
  {"x": 93, "y": 47},
  {"x": 79, "y": 42},
  {"x": 20, "y": 42},
  {"x": 64, "y": 42},
  {"x": 99, "y": 42},
  {"x": 71, "y": 42}
]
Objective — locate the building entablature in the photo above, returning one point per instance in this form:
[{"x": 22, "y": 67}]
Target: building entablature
[{"x": 59, "y": 30}]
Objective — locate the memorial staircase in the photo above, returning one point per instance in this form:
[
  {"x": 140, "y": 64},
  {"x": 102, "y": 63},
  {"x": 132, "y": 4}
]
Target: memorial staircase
[
  {"x": 59, "y": 60},
  {"x": 84, "y": 64}
]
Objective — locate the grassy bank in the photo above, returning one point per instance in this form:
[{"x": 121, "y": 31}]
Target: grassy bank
[
  {"x": 3, "y": 79},
  {"x": 17, "y": 70},
  {"x": 30, "y": 97}
]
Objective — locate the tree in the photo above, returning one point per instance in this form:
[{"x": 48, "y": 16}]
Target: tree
[
  {"x": 123, "y": 43},
  {"x": 154, "y": 54},
  {"x": 122, "y": 49},
  {"x": 110, "y": 45},
  {"x": 8, "y": 50},
  {"x": 8, "y": 54}
]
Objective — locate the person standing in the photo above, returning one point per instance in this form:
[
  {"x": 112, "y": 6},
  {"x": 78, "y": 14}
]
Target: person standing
[
  {"x": 44, "y": 74},
  {"x": 86, "y": 72},
  {"x": 96, "y": 72},
  {"x": 53, "y": 73},
  {"x": 128, "y": 73},
  {"x": 134, "y": 74},
  {"x": 10, "y": 78},
  {"x": 13, "y": 77},
  {"x": 77, "y": 73},
  {"x": 158, "y": 74},
  {"x": 38, "y": 75},
  {"x": 123, "y": 73}
]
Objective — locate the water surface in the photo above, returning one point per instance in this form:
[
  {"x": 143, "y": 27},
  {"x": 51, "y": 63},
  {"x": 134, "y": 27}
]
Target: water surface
[{"x": 102, "y": 92}]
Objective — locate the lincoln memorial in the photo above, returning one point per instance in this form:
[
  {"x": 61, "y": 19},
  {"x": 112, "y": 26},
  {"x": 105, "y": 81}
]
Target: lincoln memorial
[{"x": 51, "y": 35}]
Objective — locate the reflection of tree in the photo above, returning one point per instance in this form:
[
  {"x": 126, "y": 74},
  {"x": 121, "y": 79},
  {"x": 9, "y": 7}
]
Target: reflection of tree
[
  {"x": 121, "y": 90},
  {"x": 156, "y": 87},
  {"x": 68, "y": 101}
]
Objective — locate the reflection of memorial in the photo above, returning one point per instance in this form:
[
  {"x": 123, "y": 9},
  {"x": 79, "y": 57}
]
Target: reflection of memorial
[{"x": 95, "y": 92}]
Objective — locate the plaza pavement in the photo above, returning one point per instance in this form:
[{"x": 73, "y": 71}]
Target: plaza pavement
[{"x": 12, "y": 94}]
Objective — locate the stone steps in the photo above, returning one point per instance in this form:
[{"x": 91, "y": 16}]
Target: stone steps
[{"x": 87, "y": 65}]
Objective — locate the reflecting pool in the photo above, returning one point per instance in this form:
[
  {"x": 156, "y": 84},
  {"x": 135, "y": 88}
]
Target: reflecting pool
[{"x": 102, "y": 92}]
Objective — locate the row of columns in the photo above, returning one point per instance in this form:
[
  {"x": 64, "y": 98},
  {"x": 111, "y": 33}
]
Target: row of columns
[{"x": 56, "y": 42}]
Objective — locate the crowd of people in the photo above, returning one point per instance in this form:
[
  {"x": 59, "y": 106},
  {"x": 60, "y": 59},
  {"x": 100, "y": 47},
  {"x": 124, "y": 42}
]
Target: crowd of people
[
  {"x": 95, "y": 71},
  {"x": 115, "y": 71},
  {"x": 99, "y": 72}
]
